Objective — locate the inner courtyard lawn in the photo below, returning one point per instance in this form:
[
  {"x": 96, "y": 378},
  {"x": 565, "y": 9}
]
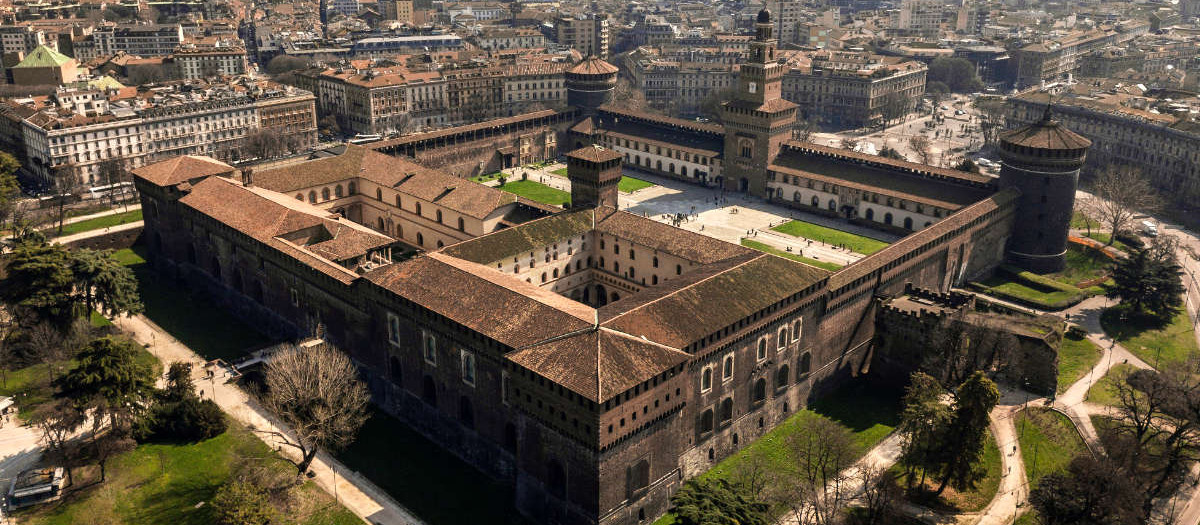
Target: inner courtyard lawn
[
  {"x": 424, "y": 477},
  {"x": 171, "y": 484},
  {"x": 191, "y": 318},
  {"x": 833, "y": 267},
  {"x": 1048, "y": 442},
  {"x": 631, "y": 184},
  {"x": 816, "y": 232},
  {"x": 538, "y": 192},
  {"x": 1152, "y": 342},
  {"x": 1076, "y": 357},
  {"x": 1103, "y": 392}
]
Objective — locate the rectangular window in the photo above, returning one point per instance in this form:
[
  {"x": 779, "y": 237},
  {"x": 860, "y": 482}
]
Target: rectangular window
[
  {"x": 504, "y": 388},
  {"x": 393, "y": 328},
  {"x": 467, "y": 362},
  {"x": 429, "y": 348},
  {"x": 727, "y": 368}
]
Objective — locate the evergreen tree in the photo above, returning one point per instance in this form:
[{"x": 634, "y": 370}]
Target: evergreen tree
[
  {"x": 923, "y": 419},
  {"x": 105, "y": 283},
  {"x": 39, "y": 284},
  {"x": 716, "y": 502},
  {"x": 962, "y": 450},
  {"x": 1149, "y": 280},
  {"x": 109, "y": 380}
]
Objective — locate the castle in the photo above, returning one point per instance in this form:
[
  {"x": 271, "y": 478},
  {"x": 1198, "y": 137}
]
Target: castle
[{"x": 594, "y": 358}]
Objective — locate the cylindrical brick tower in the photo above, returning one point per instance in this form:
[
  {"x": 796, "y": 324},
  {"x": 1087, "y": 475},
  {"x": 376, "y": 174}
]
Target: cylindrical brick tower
[
  {"x": 590, "y": 84},
  {"x": 1042, "y": 160}
]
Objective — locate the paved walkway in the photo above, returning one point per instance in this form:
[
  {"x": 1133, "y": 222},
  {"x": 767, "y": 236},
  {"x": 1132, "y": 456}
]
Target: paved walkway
[
  {"x": 358, "y": 494},
  {"x": 19, "y": 450},
  {"x": 67, "y": 239}
]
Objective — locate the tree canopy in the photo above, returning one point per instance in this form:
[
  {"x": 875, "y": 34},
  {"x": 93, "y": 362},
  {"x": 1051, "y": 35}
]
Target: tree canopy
[
  {"x": 958, "y": 74},
  {"x": 1149, "y": 280},
  {"x": 716, "y": 502},
  {"x": 48, "y": 283}
]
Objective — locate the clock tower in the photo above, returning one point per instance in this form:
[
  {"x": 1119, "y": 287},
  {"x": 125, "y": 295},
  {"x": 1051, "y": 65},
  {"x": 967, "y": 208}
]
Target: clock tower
[{"x": 758, "y": 120}]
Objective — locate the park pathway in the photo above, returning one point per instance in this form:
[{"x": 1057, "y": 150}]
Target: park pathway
[{"x": 358, "y": 494}]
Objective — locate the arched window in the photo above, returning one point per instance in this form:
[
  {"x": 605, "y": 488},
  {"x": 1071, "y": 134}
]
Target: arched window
[
  {"x": 870, "y": 214},
  {"x": 683, "y": 171},
  {"x": 429, "y": 391},
  {"x": 762, "y": 349},
  {"x": 300, "y": 197},
  {"x": 352, "y": 188},
  {"x": 815, "y": 201},
  {"x": 381, "y": 225},
  {"x": 706, "y": 379},
  {"x": 438, "y": 214},
  {"x": 418, "y": 208},
  {"x": 466, "y": 413},
  {"x": 760, "y": 391},
  {"x": 420, "y": 239},
  {"x": 727, "y": 410},
  {"x": 796, "y": 196},
  {"x": 706, "y": 421},
  {"x": 324, "y": 194},
  {"x": 312, "y": 197},
  {"x": 653, "y": 279},
  {"x": 399, "y": 203},
  {"x": 887, "y": 218},
  {"x": 671, "y": 167},
  {"x": 638, "y": 476},
  {"x": 556, "y": 272},
  {"x": 337, "y": 191},
  {"x": 631, "y": 272},
  {"x": 832, "y": 204},
  {"x": 805, "y": 365},
  {"x": 796, "y": 330},
  {"x": 908, "y": 223},
  {"x": 440, "y": 243},
  {"x": 658, "y": 165},
  {"x": 394, "y": 370},
  {"x": 782, "y": 343},
  {"x": 543, "y": 277},
  {"x": 727, "y": 368},
  {"x": 781, "y": 377},
  {"x": 678, "y": 269}
]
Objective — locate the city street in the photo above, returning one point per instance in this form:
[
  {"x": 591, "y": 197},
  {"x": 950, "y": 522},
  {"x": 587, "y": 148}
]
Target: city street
[{"x": 949, "y": 140}]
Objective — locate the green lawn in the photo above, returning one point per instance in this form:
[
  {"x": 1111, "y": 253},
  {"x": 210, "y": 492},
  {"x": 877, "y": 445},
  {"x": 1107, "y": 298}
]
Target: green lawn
[
  {"x": 808, "y": 230},
  {"x": 30, "y": 386},
  {"x": 1076, "y": 357},
  {"x": 167, "y": 484},
  {"x": 101, "y": 222},
  {"x": 1154, "y": 344},
  {"x": 1015, "y": 288},
  {"x": 1080, "y": 221},
  {"x": 870, "y": 412},
  {"x": 1048, "y": 442},
  {"x": 561, "y": 172},
  {"x": 487, "y": 176},
  {"x": 1104, "y": 391},
  {"x": 631, "y": 184},
  {"x": 195, "y": 321},
  {"x": 833, "y": 267},
  {"x": 1083, "y": 264},
  {"x": 537, "y": 191},
  {"x": 436, "y": 485},
  {"x": 98, "y": 320},
  {"x": 1104, "y": 238}
]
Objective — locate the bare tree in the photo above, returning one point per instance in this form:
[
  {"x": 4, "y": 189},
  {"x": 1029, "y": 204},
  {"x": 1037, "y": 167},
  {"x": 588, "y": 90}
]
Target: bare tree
[
  {"x": 1118, "y": 194},
  {"x": 920, "y": 146},
  {"x": 993, "y": 118},
  {"x": 823, "y": 450},
  {"x": 803, "y": 130},
  {"x": 57, "y": 422},
  {"x": 880, "y": 493},
  {"x": 849, "y": 143},
  {"x": 627, "y": 96},
  {"x": 317, "y": 394}
]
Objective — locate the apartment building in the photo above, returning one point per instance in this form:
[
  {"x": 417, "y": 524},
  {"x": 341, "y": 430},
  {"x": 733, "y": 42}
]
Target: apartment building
[
  {"x": 76, "y": 130},
  {"x": 588, "y": 34},
  {"x": 507, "y": 38},
  {"x": 199, "y": 61},
  {"x": 534, "y": 84},
  {"x": 920, "y": 16},
  {"x": 146, "y": 40},
  {"x": 24, "y": 39}
]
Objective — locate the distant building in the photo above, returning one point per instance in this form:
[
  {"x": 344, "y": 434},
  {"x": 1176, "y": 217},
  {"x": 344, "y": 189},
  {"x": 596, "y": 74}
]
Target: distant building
[
  {"x": 587, "y": 34},
  {"x": 142, "y": 40},
  {"x": 24, "y": 39},
  {"x": 45, "y": 66},
  {"x": 194, "y": 61}
]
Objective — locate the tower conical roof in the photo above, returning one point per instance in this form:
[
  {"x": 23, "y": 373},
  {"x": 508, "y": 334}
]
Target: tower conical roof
[
  {"x": 1046, "y": 133},
  {"x": 592, "y": 65}
]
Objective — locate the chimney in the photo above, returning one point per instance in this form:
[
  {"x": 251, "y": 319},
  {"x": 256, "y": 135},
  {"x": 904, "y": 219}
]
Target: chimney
[{"x": 248, "y": 177}]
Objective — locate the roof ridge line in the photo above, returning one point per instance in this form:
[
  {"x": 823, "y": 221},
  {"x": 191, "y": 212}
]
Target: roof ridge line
[
  {"x": 755, "y": 257},
  {"x": 556, "y": 338},
  {"x": 641, "y": 340}
]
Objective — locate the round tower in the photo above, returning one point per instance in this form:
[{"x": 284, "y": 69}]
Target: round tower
[
  {"x": 590, "y": 84},
  {"x": 1042, "y": 160}
]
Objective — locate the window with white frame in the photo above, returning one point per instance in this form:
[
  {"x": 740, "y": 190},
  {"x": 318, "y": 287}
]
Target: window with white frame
[
  {"x": 761, "y": 354},
  {"x": 727, "y": 368},
  {"x": 393, "y": 328},
  {"x": 706, "y": 379},
  {"x": 782, "y": 338},
  {"x": 467, "y": 361},
  {"x": 796, "y": 325},
  {"x": 429, "y": 348}
]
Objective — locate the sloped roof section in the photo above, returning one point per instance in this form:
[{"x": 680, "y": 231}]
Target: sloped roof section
[
  {"x": 527, "y": 237},
  {"x": 692, "y": 246},
  {"x": 182, "y": 169},
  {"x": 592, "y": 65},
  {"x": 597, "y": 363},
  {"x": 1045, "y": 134},
  {"x": 43, "y": 56},
  {"x": 681, "y": 317}
]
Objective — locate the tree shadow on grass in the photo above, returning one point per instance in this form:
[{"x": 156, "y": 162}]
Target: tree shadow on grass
[{"x": 1123, "y": 324}]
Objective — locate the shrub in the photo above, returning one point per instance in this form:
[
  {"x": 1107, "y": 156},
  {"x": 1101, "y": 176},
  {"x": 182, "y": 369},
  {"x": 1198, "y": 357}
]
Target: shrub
[
  {"x": 242, "y": 503},
  {"x": 190, "y": 419}
]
